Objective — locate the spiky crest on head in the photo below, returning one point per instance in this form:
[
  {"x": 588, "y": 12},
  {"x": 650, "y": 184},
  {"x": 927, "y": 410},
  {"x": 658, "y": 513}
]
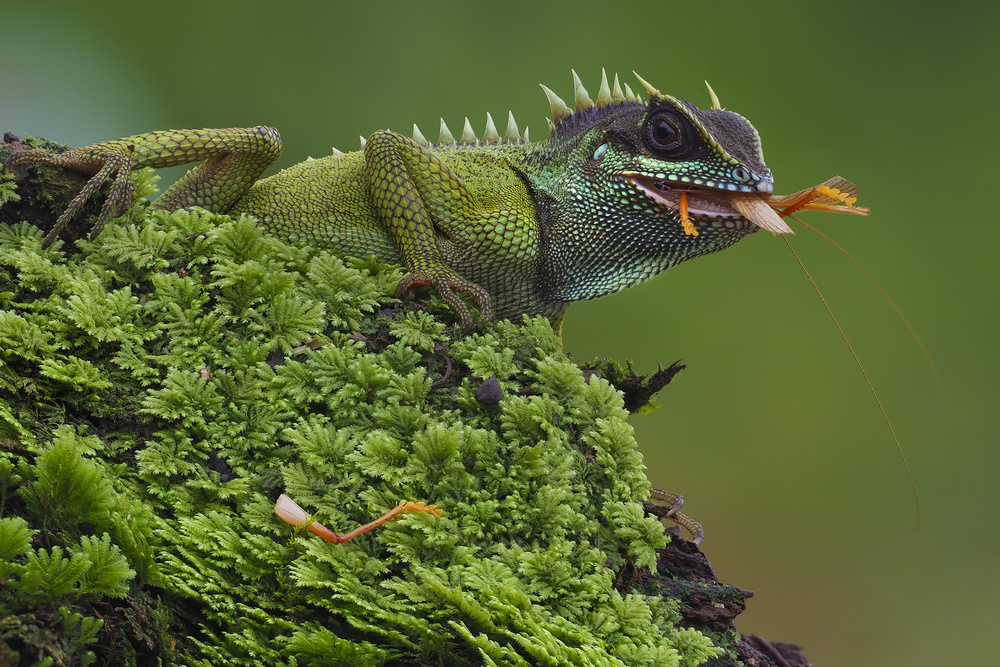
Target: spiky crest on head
[
  {"x": 580, "y": 95},
  {"x": 609, "y": 97},
  {"x": 653, "y": 92},
  {"x": 604, "y": 93},
  {"x": 606, "y": 97},
  {"x": 715, "y": 98},
  {"x": 569, "y": 121}
]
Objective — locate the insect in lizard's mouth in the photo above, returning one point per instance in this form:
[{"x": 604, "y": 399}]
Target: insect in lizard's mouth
[
  {"x": 698, "y": 202},
  {"x": 835, "y": 195},
  {"x": 724, "y": 209}
]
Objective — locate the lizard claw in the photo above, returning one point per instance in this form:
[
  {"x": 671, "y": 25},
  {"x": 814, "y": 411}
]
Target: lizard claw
[
  {"x": 448, "y": 284},
  {"x": 101, "y": 165}
]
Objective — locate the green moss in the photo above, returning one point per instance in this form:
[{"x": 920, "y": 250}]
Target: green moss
[
  {"x": 160, "y": 386},
  {"x": 8, "y": 189}
]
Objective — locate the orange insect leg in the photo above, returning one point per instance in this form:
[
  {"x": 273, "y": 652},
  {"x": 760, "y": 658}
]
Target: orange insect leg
[{"x": 689, "y": 228}]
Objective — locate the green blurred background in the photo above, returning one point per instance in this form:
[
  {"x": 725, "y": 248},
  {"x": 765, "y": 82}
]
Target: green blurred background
[{"x": 771, "y": 432}]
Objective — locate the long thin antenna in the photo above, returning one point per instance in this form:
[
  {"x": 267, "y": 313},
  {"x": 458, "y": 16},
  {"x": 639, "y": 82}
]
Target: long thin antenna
[
  {"x": 871, "y": 387},
  {"x": 899, "y": 313}
]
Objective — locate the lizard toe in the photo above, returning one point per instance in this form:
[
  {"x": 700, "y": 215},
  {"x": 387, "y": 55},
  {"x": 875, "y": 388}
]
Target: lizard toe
[{"x": 449, "y": 285}]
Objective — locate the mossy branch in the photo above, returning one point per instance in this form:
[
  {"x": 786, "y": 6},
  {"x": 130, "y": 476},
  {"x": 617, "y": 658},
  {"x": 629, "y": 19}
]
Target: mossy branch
[{"x": 162, "y": 385}]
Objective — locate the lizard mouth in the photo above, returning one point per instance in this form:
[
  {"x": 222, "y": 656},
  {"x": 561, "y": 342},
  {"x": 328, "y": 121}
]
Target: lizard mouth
[{"x": 732, "y": 209}]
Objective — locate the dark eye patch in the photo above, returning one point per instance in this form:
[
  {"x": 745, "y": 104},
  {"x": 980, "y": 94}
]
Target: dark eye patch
[{"x": 670, "y": 136}]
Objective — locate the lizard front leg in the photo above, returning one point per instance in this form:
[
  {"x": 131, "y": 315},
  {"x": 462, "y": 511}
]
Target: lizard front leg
[
  {"x": 233, "y": 161},
  {"x": 398, "y": 171}
]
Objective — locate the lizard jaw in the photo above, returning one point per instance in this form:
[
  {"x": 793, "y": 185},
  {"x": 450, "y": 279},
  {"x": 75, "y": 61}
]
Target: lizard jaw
[
  {"x": 746, "y": 207},
  {"x": 701, "y": 201}
]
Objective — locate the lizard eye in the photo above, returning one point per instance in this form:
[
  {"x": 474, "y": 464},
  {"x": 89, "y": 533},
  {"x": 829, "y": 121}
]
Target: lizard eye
[{"x": 665, "y": 136}]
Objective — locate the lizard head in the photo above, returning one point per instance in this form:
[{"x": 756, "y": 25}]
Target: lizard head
[
  {"x": 673, "y": 147},
  {"x": 644, "y": 186},
  {"x": 667, "y": 147},
  {"x": 626, "y": 189}
]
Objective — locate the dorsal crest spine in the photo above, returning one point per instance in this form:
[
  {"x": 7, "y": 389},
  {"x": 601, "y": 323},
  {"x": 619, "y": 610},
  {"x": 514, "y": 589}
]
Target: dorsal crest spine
[{"x": 609, "y": 95}]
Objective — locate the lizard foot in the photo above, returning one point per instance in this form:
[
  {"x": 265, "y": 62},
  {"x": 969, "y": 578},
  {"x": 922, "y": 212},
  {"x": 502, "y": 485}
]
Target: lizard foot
[
  {"x": 448, "y": 284},
  {"x": 101, "y": 165}
]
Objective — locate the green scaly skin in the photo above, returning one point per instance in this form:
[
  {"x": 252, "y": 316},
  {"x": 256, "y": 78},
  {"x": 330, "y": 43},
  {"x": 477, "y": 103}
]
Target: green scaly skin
[{"x": 520, "y": 228}]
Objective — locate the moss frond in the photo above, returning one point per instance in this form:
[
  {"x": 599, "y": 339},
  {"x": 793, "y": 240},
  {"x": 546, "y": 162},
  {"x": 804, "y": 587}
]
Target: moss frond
[{"x": 159, "y": 388}]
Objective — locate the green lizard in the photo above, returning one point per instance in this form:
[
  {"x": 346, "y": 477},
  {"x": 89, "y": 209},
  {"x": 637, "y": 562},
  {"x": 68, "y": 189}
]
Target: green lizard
[{"x": 622, "y": 190}]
